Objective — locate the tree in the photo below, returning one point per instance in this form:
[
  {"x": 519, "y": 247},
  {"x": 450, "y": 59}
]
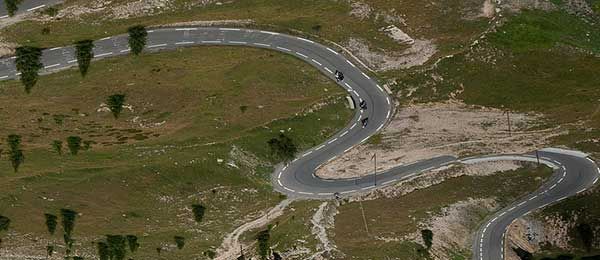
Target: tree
[
  {"x": 198, "y": 212},
  {"x": 115, "y": 104},
  {"x": 12, "y": 6},
  {"x": 15, "y": 153},
  {"x": 263, "y": 243},
  {"x": 427, "y": 236},
  {"x": 586, "y": 233},
  {"x": 57, "y": 146},
  {"x": 179, "y": 241},
  {"x": 68, "y": 221},
  {"x": 28, "y": 64},
  {"x": 103, "y": 252},
  {"x": 85, "y": 52},
  {"x": 133, "y": 243},
  {"x": 137, "y": 38},
  {"x": 51, "y": 222},
  {"x": 116, "y": 247},
  {"x": 74, "y": 143},
  {"x": 4, "y": 223},
  {"x": 283, "y": 148},
  {"x": 49, "y": 250}
]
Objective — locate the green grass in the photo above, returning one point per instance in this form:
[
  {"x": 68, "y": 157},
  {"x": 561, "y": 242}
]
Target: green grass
[
  {"x": 400, "y": 216},
  {"x": 146, "y": 187}
]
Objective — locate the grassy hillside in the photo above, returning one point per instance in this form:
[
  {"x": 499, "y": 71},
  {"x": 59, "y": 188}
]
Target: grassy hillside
[{"x": 196, "y": 133}]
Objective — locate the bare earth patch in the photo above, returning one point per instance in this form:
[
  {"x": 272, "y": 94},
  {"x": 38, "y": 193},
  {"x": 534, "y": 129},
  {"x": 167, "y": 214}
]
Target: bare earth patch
[
  {"x": 416, "y": 54},
  {"x": 424, "y": 131}
]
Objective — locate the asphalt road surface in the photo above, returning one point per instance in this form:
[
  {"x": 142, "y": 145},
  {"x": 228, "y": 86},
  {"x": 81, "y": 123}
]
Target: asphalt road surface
[
  {"x": 574, "y": 171},
  {"x": 27, "y": 6}
]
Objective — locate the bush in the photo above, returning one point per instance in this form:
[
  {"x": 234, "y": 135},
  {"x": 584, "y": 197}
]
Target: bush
[
  {"x": 4, "y": 223},
  {"x": 57, "y": 146},
  {"x": 427, "y": 236},
  {"x": 28, "y": 64},
  {"x": 68, "y": 222},
  {"x": 116, "y": 247},
  {"x": 283, "y": 148},
  {"x": 15, "y": 153},
  {"x": 179, "y": 241},
  {"x": 198, "y": 212},
  {"x": 103, "y": 252},
  {"x": 263, "y": 243},
  {"x": 49, "y": 250},
  {"x": 586, "y": 234},
  {"x": 74, "y": 143},
  {"x": 137, "y": 38},
  {"x": 51, "y": 222},
  {"x": 133, "y": 243},
  {"x": 115, "y": 104}
]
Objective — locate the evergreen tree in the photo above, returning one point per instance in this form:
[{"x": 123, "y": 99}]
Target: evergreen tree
[
  {"x": 137, "y": 39},
  {"x": 51, "y": 222},
  {"x": 28, "y": 64},
  {"x": 115, "y": 104},
  {"x": 85, "y": 53},
  {"x": 12, "y": 6}
]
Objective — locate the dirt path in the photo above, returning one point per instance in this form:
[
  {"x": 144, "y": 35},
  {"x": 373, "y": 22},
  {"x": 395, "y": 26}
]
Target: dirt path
[
  {"x": 230, "y": 248},
  {"x": 321, "y": 220}
]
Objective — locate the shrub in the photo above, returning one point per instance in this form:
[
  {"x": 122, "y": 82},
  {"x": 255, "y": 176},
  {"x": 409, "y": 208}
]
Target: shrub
[
  {"x": 263, "y": 243},
  {"x": 282, "y": 147},
  {"x": 57, "y": 146},
  {"x": 199, "y": 211},
  {"x": 103, "y": 252},
  {"x": 68, "y": 222},
  {"x": 4, "y": 223},
  {"x": 116, "y": 246},
  {"x": 427, "y": 236},
  {"x": 15, "y": 153},
  {"x": 115, "y": 104},
  {"x": 179, "y": 241},
  {"x": 51, "y": 222},
  {"x": 133, "y": 243},
  {"x": 74, "y": 143}
]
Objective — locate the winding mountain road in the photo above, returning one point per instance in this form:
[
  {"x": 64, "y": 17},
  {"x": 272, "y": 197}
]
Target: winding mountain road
[{"x": 573, "y": 171}]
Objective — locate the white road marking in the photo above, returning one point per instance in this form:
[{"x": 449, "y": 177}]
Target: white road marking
[
  {"x": 356, "y": 93},
  {"x": 262, "y": 44},
  {"x": 125, "y": 50},
  {"x": 288, "y": 189},
  {"x": 306, "y": 193},
  {"x": 182, "y": 43},
  {"x": 328, "y": 70},
  {"x": 388, "y": 100},
  {"x": 320, "y": 147},
  {"x": 388, "y": 115},
  {"x": 350, "y": 63},
  {"x": 379, "y": 128},
  {"x": 301, "y": 55},
  {"x": 306, "y": 154},
  {"x": 51, "y": 66},
  {"x": 325, "y": 193},
  {"x": 306, "y": 40},
  {"x": 366, "y": 188},
  {"x": 348, "y": 191},
  {"x": 237, "y": 42},
  {"x": 186, "y": 29},
  {"x": 316, "y": 62},
  {"x": 35, "y": 8},
  {"x": 211, "y": 41},
  {"x": 329, "y": 49},
  {"x": 103, "y": 54},
  {"x": 388, "y": 182},
  {"x": 379, "y": 87},
  {"x": 229, "y": 29},
  {"x": 333, "y": 140},
  {"x": 56, "y": 48},
  {"x": 284, "y": 49},
  {"x": 284, "y": 167},
  {"x": 157, "y": 45},
  {"x": 271, "y": 33},
  {"x": 105, "y": 38},
  {"x": 366, "y": 76},
  {"x": 363, "y": 140},
  {"x": 279, "y": 176},
  {"x": 3, "y": 77},
  {"x": 353, "y": 126},
  {"x": 348, "y": 149},
  {"x": 2, "y": 17},
  {"x": 279, "y": 181},
  {"x": 595, "y": 180},
  {"x": 344, "y": 133}
]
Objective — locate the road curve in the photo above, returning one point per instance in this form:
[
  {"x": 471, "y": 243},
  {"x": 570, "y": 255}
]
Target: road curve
[{"x": 297, "y": 179}]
